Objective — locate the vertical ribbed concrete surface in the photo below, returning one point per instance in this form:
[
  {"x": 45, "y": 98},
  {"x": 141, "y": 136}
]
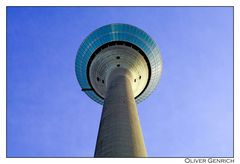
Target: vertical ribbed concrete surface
[{"x": 120, "y": 133}]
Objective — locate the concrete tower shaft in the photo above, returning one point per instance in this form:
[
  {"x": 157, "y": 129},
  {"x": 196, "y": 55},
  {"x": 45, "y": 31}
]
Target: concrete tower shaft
[
  {"x": 119, "y": 65},
  {"x": 120, "y": 133}
]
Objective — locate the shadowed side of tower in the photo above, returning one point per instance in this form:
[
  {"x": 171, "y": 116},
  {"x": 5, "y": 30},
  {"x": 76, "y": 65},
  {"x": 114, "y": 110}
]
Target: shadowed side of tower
[{"x": 120, "y": 133}]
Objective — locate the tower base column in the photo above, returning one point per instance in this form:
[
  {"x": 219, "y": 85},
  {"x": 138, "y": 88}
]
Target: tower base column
[{"x": 120, "y": 133}]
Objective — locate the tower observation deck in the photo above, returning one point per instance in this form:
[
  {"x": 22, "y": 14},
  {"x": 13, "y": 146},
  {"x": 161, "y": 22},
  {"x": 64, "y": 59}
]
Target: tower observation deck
[{"x": 119, "y": 65}]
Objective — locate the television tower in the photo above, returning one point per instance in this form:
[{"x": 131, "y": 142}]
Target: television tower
[{"x": 119, "y": 65}]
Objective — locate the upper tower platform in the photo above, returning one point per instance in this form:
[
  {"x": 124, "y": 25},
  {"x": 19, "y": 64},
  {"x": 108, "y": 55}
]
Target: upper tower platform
[{"x": 118, "y": 46}]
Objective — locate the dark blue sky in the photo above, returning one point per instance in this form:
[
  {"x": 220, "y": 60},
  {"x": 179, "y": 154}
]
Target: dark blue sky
[{"x": 189, "y": 114}]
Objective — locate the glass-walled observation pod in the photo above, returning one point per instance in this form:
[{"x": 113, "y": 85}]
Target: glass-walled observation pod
[{"x": 118, "y": 33}]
